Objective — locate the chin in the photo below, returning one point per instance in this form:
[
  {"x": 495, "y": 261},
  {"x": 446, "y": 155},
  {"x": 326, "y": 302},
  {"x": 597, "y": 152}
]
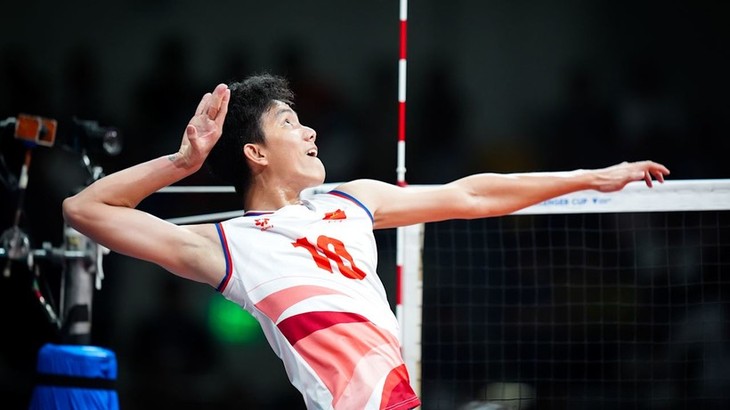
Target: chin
[
  {"x": 322, "y": 175},
  {"x": 319, "y": 181},
  {"x": 315, "y": 181},
  {"x": 314, "y": 176}
]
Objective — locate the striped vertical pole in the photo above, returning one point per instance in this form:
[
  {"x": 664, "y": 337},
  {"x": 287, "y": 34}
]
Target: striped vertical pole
[
  {"x": 401, "y": 169},
  {"x": 409, "y": 241},
  {"x": 401, "y": 166}
]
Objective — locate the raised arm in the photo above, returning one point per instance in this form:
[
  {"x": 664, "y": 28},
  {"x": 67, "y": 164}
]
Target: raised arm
[
  {"x": 104, "y": 211},
  {"x": 486, "y": 195}
]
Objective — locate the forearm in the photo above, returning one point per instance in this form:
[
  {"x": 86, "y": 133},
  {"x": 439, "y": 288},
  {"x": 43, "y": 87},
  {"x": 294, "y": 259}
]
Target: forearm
[
  {"x": 500, "y": 194},
  {"x": 128, "y": 187},
  {"x": 104, "y": 210}
]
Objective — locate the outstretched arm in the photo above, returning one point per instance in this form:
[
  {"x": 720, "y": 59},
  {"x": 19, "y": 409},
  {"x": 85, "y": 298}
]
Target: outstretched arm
[
  {"x": 104, "y": 211},
  {"x": 486, "y": 195}
]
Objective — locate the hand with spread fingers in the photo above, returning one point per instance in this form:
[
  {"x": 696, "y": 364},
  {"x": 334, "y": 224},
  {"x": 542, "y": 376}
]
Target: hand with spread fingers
[{"x": 205, "y": 127}]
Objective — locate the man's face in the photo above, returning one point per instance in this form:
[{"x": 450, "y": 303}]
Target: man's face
[{"x": 290, "y": 149}]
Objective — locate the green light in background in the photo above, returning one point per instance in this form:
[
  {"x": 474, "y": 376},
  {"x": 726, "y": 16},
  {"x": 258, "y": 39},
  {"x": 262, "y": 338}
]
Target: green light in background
[{"x": 229, "y": 323}]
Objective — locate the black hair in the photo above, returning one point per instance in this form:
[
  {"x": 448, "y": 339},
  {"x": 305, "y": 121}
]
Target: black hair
[{"x": 250, "y": 99}]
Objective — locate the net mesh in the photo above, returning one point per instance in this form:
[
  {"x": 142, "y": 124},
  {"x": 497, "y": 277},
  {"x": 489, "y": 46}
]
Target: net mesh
[{"x": 578, "y": 311}]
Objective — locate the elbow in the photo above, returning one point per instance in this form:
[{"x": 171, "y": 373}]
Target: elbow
[
  {"x": 72, "y": 211},
  {"x": 479, "y": 207},
  {"x": 475, "y": 207}
]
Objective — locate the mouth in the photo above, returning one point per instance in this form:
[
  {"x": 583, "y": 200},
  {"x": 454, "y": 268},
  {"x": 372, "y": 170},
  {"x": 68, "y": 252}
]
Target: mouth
[{"x": 312, "y": 152}]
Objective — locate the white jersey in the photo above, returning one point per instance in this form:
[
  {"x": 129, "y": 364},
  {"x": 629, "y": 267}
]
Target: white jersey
[{"x": 307, "y": 273}]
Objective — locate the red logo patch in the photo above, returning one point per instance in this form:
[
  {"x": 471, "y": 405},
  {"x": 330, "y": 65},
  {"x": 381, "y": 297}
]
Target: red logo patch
[
  {"x": 335, "y": 215},
  {"x": 263, "y": 223}
]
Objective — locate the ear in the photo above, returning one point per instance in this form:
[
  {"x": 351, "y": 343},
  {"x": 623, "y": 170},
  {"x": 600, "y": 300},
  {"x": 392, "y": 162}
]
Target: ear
[{"x": 255, "y": 154}]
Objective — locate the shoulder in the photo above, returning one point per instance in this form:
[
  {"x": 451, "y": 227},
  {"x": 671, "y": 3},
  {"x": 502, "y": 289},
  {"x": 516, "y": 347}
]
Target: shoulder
[
  {"x": 365, "y": 186},
  {"x": 381, "y": 198},
  {"x": 368, "y": 191},
  {"x": 394, "y": 206}
]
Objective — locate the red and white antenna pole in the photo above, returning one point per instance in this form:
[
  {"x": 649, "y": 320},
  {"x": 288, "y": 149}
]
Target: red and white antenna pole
[
  {"x": 409, "y": 282},
  {"x": 401, "y": 166}
]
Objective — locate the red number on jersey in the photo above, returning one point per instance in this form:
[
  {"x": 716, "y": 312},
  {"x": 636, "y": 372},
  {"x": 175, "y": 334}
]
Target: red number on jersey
[{"x": 331, "y": 249}]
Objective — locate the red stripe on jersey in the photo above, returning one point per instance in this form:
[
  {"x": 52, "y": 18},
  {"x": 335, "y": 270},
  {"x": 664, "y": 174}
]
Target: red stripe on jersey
[
  {"x": 276, "y": 303},
  {"x": 397, "y": 392},
  {"x": 302, "y": 325},
  {"x": 351, "y": 359}
]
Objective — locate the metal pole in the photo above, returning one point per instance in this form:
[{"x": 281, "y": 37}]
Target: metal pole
[{"x": 78, "y": 288}]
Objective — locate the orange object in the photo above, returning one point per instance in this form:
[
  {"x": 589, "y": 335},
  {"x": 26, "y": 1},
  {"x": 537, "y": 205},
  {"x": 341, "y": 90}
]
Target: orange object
[{"x": 38, "y": 130}]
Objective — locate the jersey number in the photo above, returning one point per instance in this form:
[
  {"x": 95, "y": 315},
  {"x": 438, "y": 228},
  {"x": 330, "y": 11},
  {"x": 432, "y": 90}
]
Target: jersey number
[{"x": 331, "y": 249}]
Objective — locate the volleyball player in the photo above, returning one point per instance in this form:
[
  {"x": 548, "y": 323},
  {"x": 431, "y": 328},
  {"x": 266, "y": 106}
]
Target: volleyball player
[{"x": 306, "y": 269}]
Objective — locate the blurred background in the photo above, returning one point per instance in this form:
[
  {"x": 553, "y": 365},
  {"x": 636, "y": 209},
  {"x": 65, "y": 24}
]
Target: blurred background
[{"x": 503, "y": 86}]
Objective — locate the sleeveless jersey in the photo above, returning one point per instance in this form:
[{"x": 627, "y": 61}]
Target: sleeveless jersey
[{"x": 307, "y": 273}]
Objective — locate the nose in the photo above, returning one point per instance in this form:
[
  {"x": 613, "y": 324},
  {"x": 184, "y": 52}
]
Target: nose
[{"x": 310, "y": 133}]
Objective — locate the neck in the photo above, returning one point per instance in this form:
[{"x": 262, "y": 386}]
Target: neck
[{"x": 260, "y": 198}]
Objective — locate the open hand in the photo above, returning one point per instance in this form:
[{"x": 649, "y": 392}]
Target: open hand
[
  {"x": 617, "y": 176},
  {"x": 205, "y": 127}
]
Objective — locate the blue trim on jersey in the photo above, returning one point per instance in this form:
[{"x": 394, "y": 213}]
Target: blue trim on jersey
[
  {"x": 257, "y": 213},
  {"x": 226, "y": 255},
  {"x": 353, "y": 199}
]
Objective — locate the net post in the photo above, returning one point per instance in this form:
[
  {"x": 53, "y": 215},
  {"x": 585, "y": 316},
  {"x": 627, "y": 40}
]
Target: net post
[
  {"x": 408, "y": 316},
  {"x": 411, "y": 300}
]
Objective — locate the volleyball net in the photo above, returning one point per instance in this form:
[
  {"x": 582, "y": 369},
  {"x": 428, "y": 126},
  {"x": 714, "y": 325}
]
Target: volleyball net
[{"x": 586, "y": 301}]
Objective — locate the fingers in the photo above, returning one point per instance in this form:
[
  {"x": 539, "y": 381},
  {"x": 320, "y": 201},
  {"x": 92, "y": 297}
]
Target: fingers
[
  {"x": 212, "y": 103},
  {"x": 659, "y": 175},
  {"x": 647, "y": 179},
  {"x": 190, "y": 131},
  {"x": 223, "y": 108},
  {"x": 653, "y": 170},
  {"x": 658, "y": 171},
  {"x": 219, "y": 95}
]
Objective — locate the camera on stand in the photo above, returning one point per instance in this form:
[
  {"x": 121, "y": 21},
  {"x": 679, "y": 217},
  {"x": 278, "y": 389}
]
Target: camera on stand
[
  {"x": 79, "y": 256},
  {"x": 79, "y": 135},
  {"x": 71, "y": 371}
]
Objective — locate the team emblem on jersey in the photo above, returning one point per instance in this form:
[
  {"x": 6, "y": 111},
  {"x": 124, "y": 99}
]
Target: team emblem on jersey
[
  {"x": 334, "y": 215},
  {"x": 263, "y": 223}
]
